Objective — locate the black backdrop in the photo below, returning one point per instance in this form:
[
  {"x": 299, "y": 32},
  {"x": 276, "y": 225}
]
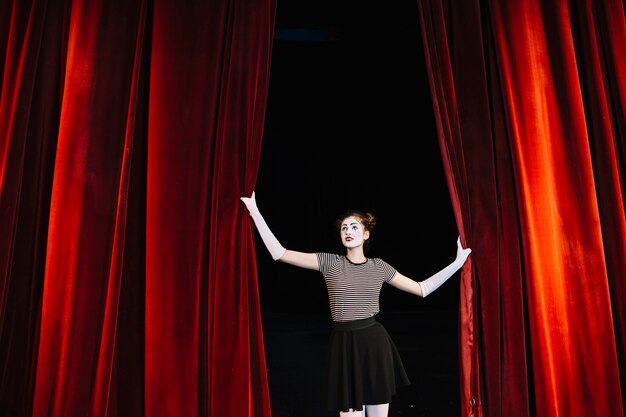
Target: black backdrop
[{"x": 350, "y": 125}]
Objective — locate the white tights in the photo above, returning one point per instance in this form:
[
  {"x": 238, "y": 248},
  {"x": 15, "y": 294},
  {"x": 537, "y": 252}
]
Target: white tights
[{"x": 378, "y": 410}]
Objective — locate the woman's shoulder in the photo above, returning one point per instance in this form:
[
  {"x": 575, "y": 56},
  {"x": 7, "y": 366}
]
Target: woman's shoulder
[
  {"x": 327, "y": 261},
  {"x": 328, "y": 256},
  {"x": 379, "y": 262}
]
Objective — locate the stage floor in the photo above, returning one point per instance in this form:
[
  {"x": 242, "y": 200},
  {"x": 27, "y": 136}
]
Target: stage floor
[{"x": 295, "y": 345}]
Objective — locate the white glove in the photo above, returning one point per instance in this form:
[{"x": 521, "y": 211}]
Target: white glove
[
  {"x": 272, "y": 244},
  {"x": 431, "y": 284}
]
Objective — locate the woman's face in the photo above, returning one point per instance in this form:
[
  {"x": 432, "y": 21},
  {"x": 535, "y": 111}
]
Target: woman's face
[{"x": 352, "y": 233}]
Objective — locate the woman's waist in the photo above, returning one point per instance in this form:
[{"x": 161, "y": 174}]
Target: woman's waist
[{"x": 354, "y": 324}]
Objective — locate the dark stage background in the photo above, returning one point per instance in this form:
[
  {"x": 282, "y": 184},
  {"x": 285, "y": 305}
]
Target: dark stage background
[{"x": 350, "y": 125}]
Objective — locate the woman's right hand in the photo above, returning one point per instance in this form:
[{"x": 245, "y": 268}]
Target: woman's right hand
[{"x": 250, "y": 202}]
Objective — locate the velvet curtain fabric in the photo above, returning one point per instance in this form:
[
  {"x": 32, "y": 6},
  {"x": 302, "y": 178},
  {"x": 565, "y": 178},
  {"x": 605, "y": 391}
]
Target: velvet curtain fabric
[
  {"x": 529, "y": 99},
  {"x": 128, "y": 132}
]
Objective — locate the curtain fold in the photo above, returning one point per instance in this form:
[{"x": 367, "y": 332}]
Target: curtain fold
[
  {"x": 202, "y": 308},
  {"x": 128, "y": 132},
  {"x": 528, "y": 100},
  {"x": 32, "y": 68},
  {"x": 601, "y": 45},
  {"x": 89, "y": 197}
]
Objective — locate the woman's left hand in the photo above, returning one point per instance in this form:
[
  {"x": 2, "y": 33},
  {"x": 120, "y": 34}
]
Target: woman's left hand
[{"x": 462, "y": 253}]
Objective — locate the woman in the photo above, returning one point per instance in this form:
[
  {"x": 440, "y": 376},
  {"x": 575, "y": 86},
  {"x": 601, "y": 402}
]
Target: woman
[{"x": 364, "y": 367}]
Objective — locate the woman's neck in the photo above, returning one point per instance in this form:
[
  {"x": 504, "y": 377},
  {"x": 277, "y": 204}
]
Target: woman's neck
[{"x": 356, "y": 255}]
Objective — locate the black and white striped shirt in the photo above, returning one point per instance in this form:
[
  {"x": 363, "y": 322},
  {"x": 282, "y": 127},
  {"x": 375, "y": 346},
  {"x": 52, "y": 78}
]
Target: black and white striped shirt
[{"x": 353, "y": 289}]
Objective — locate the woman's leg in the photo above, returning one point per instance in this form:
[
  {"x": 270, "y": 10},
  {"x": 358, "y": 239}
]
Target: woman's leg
[
  {"x": 378, "y": 410},
  {"x": 352, "y": 413}
]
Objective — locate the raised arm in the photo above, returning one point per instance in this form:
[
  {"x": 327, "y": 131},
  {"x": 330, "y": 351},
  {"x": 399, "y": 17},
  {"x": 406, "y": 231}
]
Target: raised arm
[
  {"x": 278, "y": 252},
  {"x": 423, "y": 288}
]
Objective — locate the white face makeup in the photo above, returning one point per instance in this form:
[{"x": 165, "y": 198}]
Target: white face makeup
[{"x": 352, "y": 233}]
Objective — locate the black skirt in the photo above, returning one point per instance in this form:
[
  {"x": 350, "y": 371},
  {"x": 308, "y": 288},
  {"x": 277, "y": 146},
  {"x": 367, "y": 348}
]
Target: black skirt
[{"x": 364, "y": 366}]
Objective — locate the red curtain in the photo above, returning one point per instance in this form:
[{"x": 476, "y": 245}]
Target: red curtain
[
  {"x": 128, "y": 132},
  {"x": 529, "y": 99}
]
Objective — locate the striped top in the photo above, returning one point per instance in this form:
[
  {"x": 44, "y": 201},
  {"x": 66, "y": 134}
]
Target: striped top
[{"x": 353, "y": 289}]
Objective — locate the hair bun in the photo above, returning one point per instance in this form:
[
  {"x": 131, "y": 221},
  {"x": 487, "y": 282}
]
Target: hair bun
[{"x": 370, "y": 219}]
